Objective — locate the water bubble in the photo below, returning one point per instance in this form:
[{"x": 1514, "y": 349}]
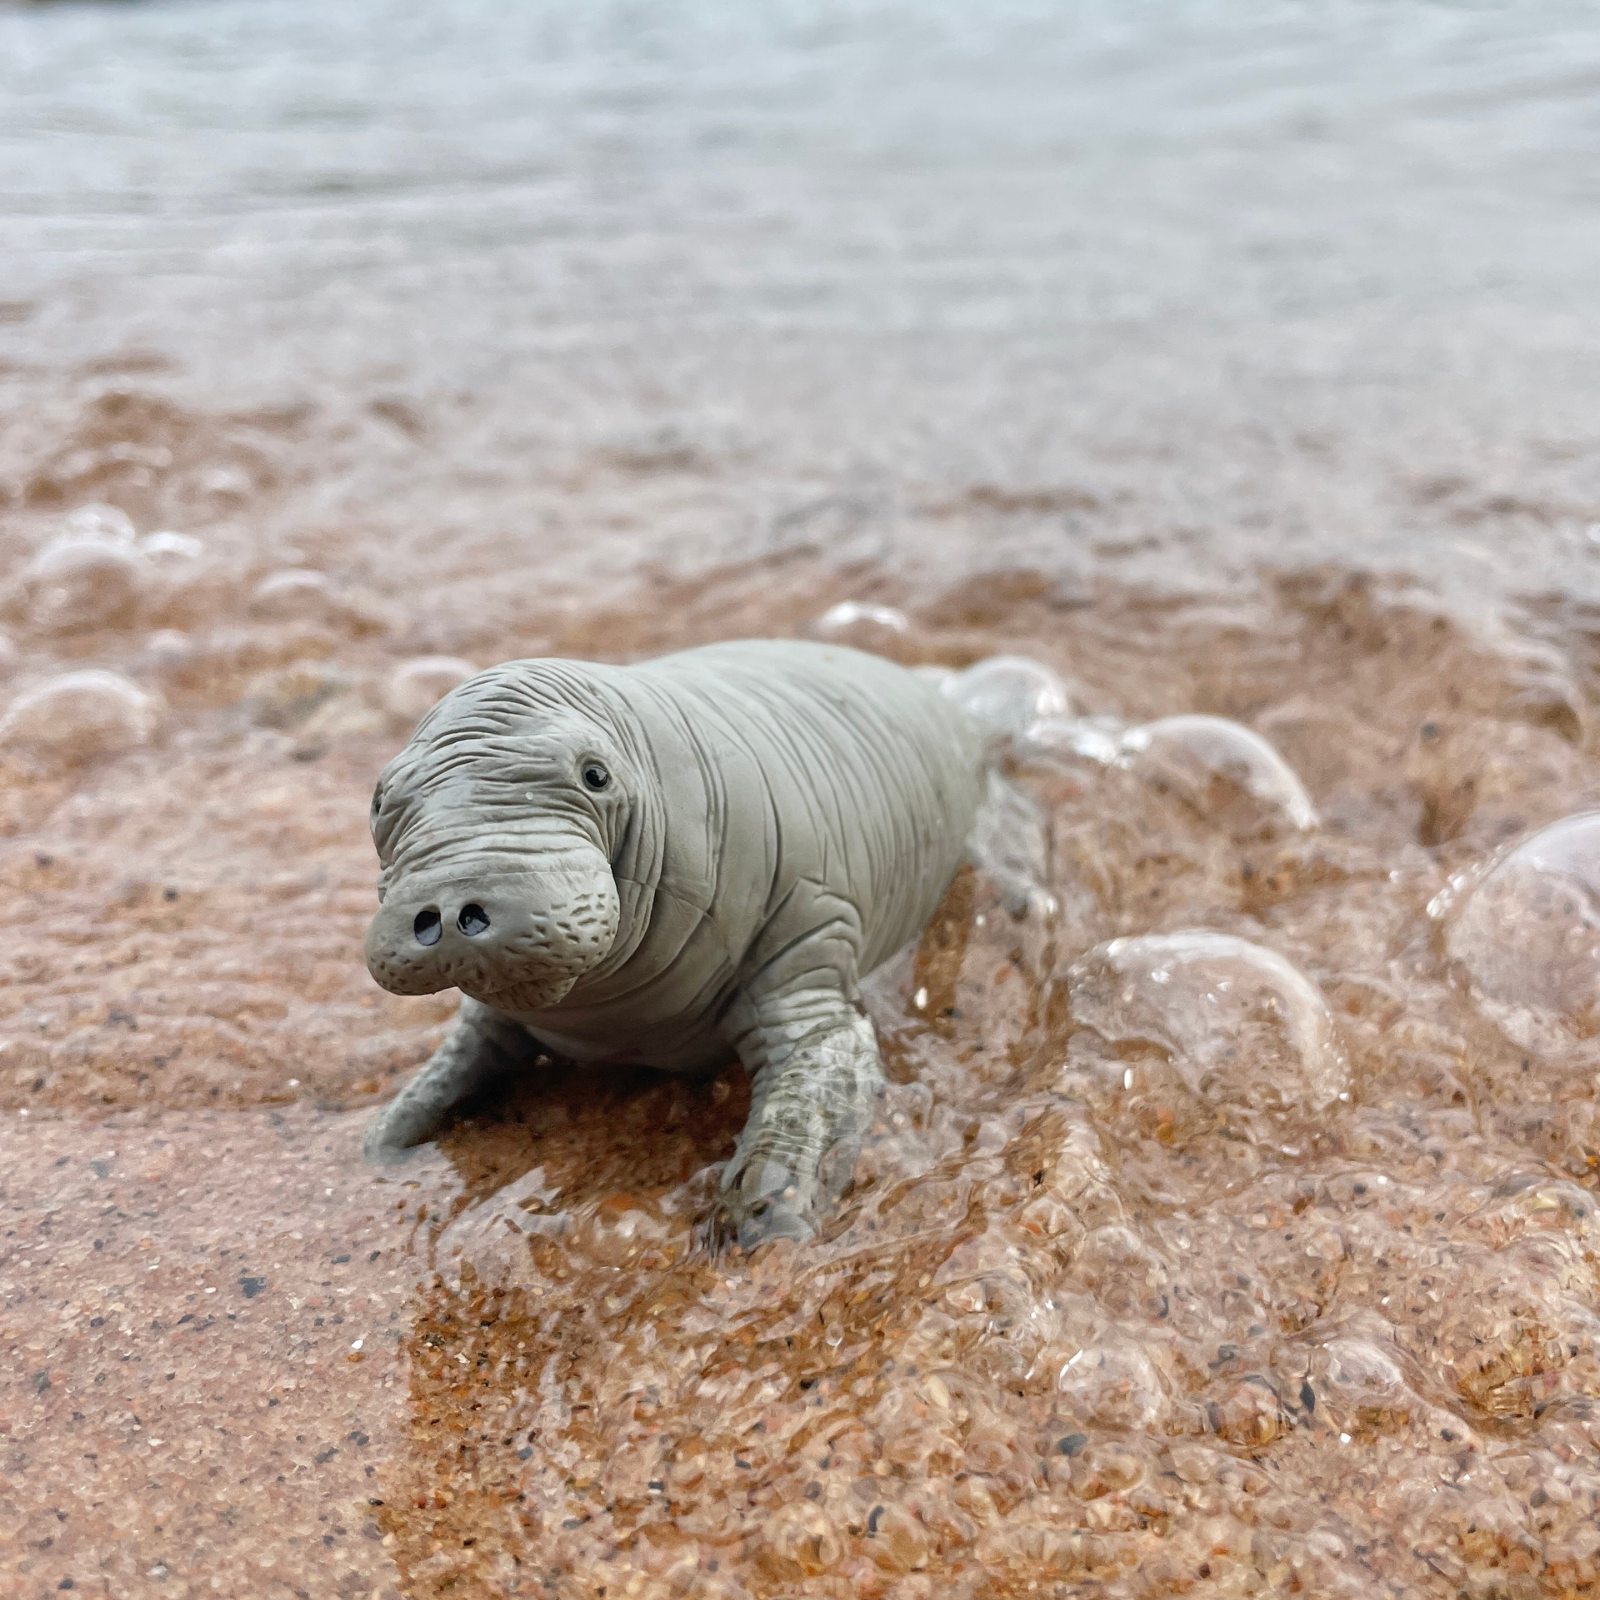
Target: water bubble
[
  {"x": 300, "y": 594},
  {"x": 1113, "y": 1386},
  {"x": 102, "y": 523},
  {"x": 1533, "y": 1201},
  {"x": 1125, "y": 1272},
  {"x": 622, "y": 1229},
  {"x": 169, "y": 647},
  {"x": 78, "y": 716},
  {"x": 226, "y": 482},
  {"x": 863, "y": 626},
  {"x": 1097, "y": 739},
  {"x": 896, "y": 1540},
  {"x": 1233, "y": 1030},
  {"x": 416, "y": 685},
  {"x": 1358, "y": 1383},
  {"x": 174, "y": 549},
  {"x": 288, "y": 696},
  {"x": 1106, "y": 1466},
  {"x": 1228, "y": 774},
  {"x": 1247, "y": 1411},
  {"x": 291, "y": 595},
  {"x": 77, "y": 583},
  {"x": 916, "y": 1427},
  {"x": 493, "y": 1235},
  {"x": 800, "y": 1541},
  {"x": 175, "y": 660},
  {"x": 1526, "y": 938},
  {"x": 342, "y": 716},
  {"x": 1005, "y": 694}
]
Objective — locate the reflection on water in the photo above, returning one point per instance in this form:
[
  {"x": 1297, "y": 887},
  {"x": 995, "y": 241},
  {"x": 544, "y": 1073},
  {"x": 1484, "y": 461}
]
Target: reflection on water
[{"x": 1208, "y": 394}]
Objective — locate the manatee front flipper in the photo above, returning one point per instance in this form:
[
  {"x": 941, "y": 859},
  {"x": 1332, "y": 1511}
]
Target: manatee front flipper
[
  {"x": 815, "y": 1074},
  {"x": 482, "y": 1045}
]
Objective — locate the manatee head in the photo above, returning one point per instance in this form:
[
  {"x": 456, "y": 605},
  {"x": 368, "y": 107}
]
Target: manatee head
[{"x": 496, "y": 829}]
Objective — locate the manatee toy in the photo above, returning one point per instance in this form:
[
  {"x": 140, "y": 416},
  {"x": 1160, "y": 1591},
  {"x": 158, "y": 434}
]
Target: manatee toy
[{"x": 674, "y": 864}]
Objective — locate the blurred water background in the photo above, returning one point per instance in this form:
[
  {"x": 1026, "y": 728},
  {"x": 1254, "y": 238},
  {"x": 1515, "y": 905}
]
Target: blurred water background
[{"x": 1267, "y": 283}]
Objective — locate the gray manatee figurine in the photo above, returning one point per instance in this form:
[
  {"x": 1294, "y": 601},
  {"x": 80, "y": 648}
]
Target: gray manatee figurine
[{"x": 672, "y": 864}]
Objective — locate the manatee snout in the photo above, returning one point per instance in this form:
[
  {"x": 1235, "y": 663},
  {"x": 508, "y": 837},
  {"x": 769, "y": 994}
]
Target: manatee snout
[{"x": 518, "y": 941}]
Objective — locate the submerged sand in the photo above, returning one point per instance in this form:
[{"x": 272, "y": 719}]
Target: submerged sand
[{"x": 1112, "y": 1308}]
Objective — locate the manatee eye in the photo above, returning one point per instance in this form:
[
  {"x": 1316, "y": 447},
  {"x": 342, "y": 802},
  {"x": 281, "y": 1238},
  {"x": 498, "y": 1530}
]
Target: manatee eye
[{"x": 596, "y": 776}]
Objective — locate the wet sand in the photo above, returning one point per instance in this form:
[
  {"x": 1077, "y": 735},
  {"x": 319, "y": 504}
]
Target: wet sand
[
  {"x": 1070, "y": 1328},
  {"x": 1232, "y": 366}
]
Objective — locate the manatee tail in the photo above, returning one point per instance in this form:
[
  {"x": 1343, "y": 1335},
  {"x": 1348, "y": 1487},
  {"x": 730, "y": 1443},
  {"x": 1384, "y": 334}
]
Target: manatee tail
[
  {"x": 1010, "y": 845},
  {"x": 1008, "y": 697}
]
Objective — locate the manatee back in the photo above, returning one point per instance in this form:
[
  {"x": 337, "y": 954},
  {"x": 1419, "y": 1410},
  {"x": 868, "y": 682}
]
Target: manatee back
[{"x": 872, "y": 779}]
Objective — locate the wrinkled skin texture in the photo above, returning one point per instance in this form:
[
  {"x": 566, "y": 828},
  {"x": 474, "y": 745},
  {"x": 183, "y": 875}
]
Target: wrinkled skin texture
[{"x": 672, "y": 864}]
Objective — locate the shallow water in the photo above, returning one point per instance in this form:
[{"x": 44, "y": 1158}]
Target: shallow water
[
  {"x": 1229, "y": 1226},
  {"x": 1176, "y": 1262}
]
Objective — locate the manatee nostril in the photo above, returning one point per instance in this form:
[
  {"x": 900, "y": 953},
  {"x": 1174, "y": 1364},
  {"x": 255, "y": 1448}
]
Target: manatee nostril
[
  {"x": 427, "y": 926},
  {"x": 473, "y": 920}
]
